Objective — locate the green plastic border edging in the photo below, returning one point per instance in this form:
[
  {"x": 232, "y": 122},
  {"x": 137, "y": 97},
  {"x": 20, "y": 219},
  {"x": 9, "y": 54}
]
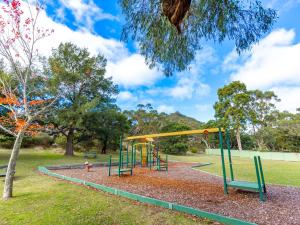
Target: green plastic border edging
[{"x": 152, "y": 201}]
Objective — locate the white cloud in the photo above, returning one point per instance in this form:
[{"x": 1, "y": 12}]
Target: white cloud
[
  {"x": 132, "y": 71},
  {"x": 281, "y": 5},
  {"x": 189, "y": 83},
  {"x": 165, "y": 108},
  {"x": 126, "y": 69},
  {"x": 273, "y": 64},
  {"x": 86, "y": 12},
  {"x": 289, "y": 98},
  {"x": 126, "y": 96}
]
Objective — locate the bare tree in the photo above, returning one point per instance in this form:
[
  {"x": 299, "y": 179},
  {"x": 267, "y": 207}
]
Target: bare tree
[{"x": 24, "y": 95}]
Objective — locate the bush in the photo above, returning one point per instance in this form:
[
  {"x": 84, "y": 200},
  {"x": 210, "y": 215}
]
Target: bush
[
  {"x": 6, "y": 141},
  {"x": 61, "y": 141},
  {"x": 193, "y": 149},
  {"x": 42, "y": 140},
  {"x": 176, "y": 149}
]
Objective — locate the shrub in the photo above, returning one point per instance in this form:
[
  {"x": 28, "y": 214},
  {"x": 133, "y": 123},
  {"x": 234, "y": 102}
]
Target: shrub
[{"x": 193, "y": 149}]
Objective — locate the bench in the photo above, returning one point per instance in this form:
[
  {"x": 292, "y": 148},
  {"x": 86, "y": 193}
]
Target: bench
[
  {"x": 3, "y": 168},
  {"x": 124, "y": 170},
  {"x": 91, "y": 155}
]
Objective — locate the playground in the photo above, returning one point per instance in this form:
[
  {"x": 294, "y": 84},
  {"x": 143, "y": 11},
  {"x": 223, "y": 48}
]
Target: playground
[
  {"x": 141, "y": 169},
  {"x": 184, "y": 185}
]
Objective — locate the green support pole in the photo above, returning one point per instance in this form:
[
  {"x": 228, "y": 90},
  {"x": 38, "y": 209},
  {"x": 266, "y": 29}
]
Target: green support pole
[
  {"x": 109, "y": 166},
  {"x": 167, "y": 163},
  {"x": 261, "y": 195},
  {"x": 127, "y": 156},
  {"x": 156, "y": 155},
  {"x": 262, "y": 175},
  {"x": 223, "y": 161},
  {"x": 158, "y": 168},
  {"x": 134, "y": 161},
  {"x": 141, "y": 156},
  {"x": 229, "y": 154},
  {"x": 132, "y": 147},
  {"x": 147, "y": 158},
  {"x": 120, "y": 157}
]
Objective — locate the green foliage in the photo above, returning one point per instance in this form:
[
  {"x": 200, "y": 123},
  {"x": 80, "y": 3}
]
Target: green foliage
[
  {"x": 41, "y": 140},
  {"x": 177, "y": 145},
  {"x": 159, "y": 41},
  {"x": 230, "y": 108},
  {"x": 145, "y": 120},
  {"x": 193, "y": 150},
  {"x": 106, "y": 126},
  {"x": 83, "y": 88}
]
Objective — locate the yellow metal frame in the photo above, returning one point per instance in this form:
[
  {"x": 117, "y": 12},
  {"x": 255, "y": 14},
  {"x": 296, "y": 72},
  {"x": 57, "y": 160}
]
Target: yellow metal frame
[{"x": 177, "y": 133}]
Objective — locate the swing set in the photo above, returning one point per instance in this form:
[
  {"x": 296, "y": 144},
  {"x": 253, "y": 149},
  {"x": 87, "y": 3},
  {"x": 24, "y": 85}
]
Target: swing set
[{"x": 149, "y": 157}]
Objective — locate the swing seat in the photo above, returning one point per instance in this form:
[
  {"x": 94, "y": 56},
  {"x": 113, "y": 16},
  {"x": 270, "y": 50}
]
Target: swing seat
[{"x": 244, "y": 185}]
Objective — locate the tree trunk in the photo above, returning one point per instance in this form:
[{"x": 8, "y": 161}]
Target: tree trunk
[
  {"x": 104, "y": 147},
  {"x": 238, "y": 139},
  {"x": 70, "y": 143},
  {"x": 9, "y": 179}
]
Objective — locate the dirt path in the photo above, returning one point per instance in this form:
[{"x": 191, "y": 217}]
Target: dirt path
[{"x": 183, "y": 185}]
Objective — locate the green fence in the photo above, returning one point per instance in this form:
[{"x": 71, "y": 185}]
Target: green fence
[
  {"x": 148, "y": 200},
  {"x": 284, "y": 156}
]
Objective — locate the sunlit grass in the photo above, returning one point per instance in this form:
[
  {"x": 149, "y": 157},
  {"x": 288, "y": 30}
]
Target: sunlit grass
[
  {"x": 276, "y": 172},
  {"x": 40, "y": 199}
]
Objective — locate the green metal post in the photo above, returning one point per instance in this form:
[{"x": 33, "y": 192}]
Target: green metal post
[
  {"x": 167, "y": 162},
  {"x": 223, "y": 161},
  {"x": 229, "y": 154},
  {"x": 261, "y": 194},
  {"x": 127, "y": 149},
  {"x": 132, "y": 147},
  {"x": 120, "y": 157},
  {"x": 262, "y": 175},
  {"x": 134, "y": 161},
  {"x": 156, "y": 154},
  {"x": 109, "y": 166},
  {"x": 141, "y": 156},
  {"x": 158, "y": 168},
  {"x": 147, "y": 158}
]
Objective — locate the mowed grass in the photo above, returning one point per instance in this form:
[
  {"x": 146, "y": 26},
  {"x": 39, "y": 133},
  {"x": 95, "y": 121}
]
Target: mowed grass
[
  {"x": 276, "y": 172},
  {"x": 40, "y": 199}
]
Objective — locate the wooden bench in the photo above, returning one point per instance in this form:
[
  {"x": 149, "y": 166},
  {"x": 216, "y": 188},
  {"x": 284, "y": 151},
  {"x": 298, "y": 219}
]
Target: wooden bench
[
  {"x": 3, "y": 168},
  {"x": 91, "y": 155}
]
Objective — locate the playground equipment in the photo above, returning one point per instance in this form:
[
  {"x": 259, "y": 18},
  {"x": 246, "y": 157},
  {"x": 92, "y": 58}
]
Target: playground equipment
[
  {"x": 149, "y": 157},
  {"x": 258, "y": 186},
  {"x": 123, "y": 167}
]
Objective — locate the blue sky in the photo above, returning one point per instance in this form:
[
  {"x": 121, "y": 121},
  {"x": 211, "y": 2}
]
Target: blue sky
[{"x": 271, "y": 65}]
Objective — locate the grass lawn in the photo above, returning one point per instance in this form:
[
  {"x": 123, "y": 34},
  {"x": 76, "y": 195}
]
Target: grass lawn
[
  {"x": 276, "y": 172},
  {"x": 40, "y": 199}
]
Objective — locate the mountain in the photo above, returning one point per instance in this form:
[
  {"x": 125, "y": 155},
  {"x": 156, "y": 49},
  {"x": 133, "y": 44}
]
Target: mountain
[{"x": 189, "y": 121}]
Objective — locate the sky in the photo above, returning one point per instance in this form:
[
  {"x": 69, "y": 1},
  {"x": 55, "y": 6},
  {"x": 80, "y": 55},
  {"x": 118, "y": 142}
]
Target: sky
[{"x": 273, "y": 64}]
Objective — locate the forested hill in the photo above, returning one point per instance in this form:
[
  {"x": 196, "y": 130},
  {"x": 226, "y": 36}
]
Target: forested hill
[{"x": 183, "y": 119}]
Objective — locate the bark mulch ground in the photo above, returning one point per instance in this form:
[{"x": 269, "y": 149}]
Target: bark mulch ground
[{"x": 183, "y": 185}]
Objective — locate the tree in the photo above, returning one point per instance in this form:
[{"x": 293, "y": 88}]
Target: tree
[
  {"x": 170, "y": 32},
  {"x": 23, "y": 85},
  {"x": 145, "y": 120},
  {"x": 260, "y": 109},
  {"x": 177, "y": 144},
  {"x": 231, "y": 108},
  {"x": 107, "y": 126},
  {"x": 83, "y": 88}
]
